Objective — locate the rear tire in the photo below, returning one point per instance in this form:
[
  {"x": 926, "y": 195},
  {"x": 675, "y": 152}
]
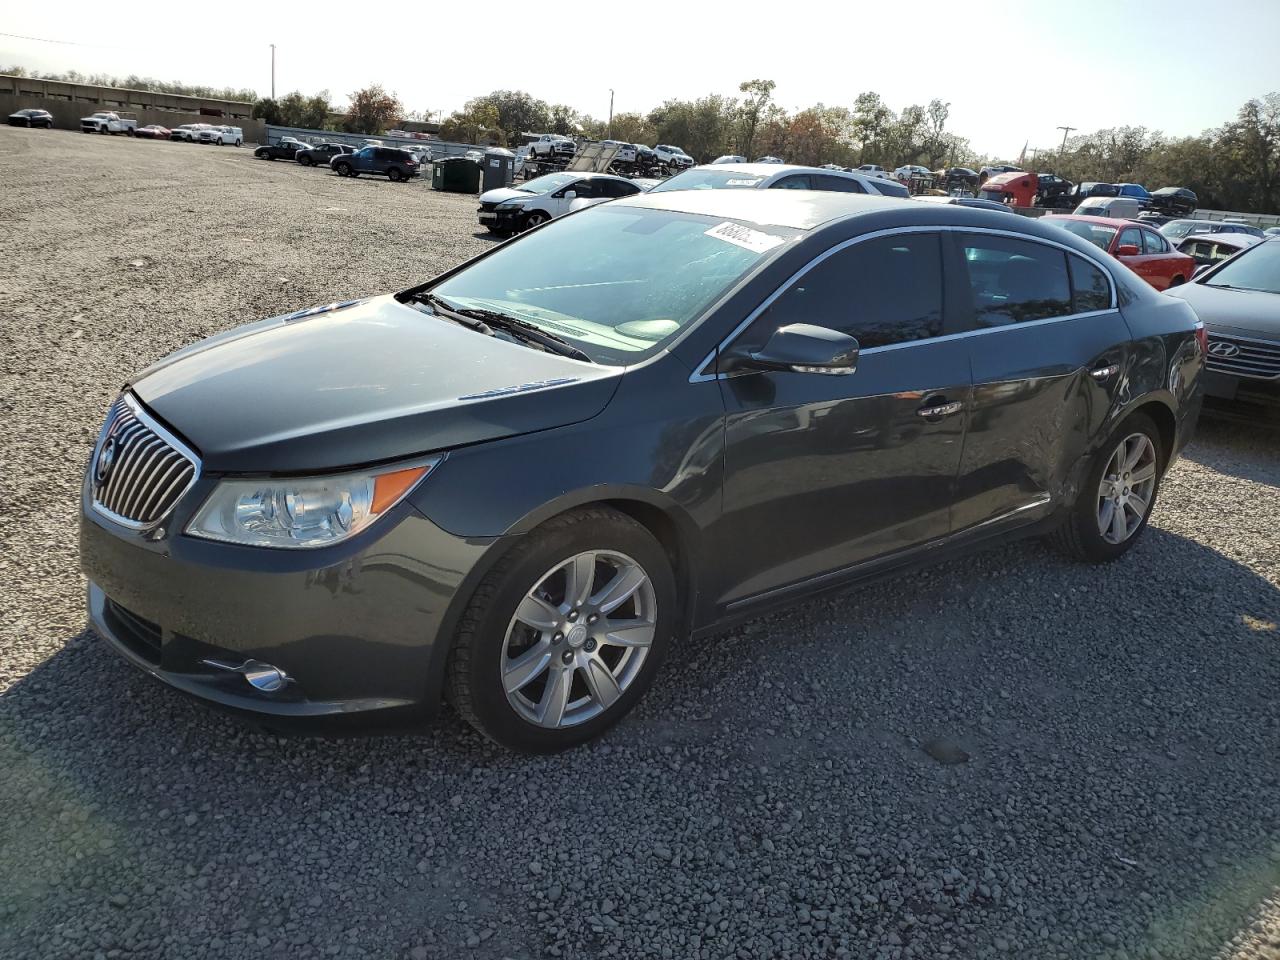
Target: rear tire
[
  {"x": 1108, "y": 479},
  {"x": 394, "y": 175},
  {"x": 599, "y": 680}
]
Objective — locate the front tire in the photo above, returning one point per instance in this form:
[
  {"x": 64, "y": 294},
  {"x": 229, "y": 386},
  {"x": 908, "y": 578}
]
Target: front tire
[
  {"x": 535, "y": 219},
  {"x": 564, "y": 635},
  {"x": 1118, "y": 494}
]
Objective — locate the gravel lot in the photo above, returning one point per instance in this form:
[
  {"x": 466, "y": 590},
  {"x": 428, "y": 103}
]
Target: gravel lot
[{"x": 1009, "y": 755}]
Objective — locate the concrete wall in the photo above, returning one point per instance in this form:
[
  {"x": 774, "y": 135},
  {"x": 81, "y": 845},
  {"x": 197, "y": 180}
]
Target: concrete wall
[{"x": 68, "y": 102}]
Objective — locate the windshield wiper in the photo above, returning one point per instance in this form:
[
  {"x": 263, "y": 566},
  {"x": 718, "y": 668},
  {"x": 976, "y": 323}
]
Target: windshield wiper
[
  {"x": 523, "y": 330},
  {"x": 487, "y": 321}
]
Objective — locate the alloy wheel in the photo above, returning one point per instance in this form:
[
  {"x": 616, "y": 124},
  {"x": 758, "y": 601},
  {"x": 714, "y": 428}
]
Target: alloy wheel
[
  {"x": 578, "y": 639},
  {"x": 1127, "y": 486}
]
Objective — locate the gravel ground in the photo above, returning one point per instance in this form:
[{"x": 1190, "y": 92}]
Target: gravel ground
[{"x": 1006, "y": 755}]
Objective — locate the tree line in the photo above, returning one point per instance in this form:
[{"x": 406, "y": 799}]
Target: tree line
[{"x": 1233, "y": 167}]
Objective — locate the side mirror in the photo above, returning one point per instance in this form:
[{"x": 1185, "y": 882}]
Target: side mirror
[
  {"x": 1127, "y": 250},
  {"x": 802, "y": 348},
  {"x": 571, "y": 194}
]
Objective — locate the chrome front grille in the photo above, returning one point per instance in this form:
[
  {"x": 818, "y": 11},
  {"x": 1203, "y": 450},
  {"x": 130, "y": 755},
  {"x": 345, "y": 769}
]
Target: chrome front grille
[
  {"x": 1247, "y": 357},
  {"x": 139, "y": 470}
]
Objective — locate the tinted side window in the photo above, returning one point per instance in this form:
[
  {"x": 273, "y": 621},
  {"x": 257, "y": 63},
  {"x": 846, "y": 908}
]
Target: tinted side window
[
  {"x": 1014, "y": 281},
  {"x": 1131, "y": 235},
  {"x": 1089, "y": 287},
  {"x": 1153, "y": 242},
  {"x": 882, "y": 291},
  {"x": 838, "y": 184},
  {"x": 797, "y": 182}
]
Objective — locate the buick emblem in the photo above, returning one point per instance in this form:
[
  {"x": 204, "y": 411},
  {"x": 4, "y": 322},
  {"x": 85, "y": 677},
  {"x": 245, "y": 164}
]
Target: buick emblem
[
  {"x": 106, "y": 460},
  {"x": 1222, "y": 349}
]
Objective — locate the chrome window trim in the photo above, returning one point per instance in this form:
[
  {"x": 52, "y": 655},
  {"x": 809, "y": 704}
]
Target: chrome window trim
[
  {"x": 149, "y": 422},
  {"x": 701, "y": 375}
]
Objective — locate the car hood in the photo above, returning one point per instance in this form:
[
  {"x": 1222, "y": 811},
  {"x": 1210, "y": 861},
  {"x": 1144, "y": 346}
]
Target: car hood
[
  {"x": 1242, "y": 311},
  {"x": 506, "y": 194},
  {"x": 361, "y": 382}
]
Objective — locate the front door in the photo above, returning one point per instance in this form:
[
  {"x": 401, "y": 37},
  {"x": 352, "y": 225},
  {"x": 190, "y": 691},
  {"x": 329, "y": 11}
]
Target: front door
[
  {"x": 825, "y": 472},
  {"x": 1049, "y": 355}
]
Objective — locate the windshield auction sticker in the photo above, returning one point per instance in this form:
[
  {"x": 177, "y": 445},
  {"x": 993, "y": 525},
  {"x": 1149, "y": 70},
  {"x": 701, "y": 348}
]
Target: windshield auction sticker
[{"x": 742, "y": 236}]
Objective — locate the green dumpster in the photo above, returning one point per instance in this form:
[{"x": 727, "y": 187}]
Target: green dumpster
[{"x": 455, "y": 175}]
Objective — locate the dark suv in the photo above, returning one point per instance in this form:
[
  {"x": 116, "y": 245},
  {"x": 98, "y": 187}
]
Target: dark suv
[
  {"x": 321, "y": 153},
  {"x": 513, "y": 485},
  {"x": 393, "y": 164}
]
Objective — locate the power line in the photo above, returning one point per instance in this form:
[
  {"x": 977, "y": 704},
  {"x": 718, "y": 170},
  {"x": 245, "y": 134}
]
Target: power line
[{"x": 68, "y": 43}]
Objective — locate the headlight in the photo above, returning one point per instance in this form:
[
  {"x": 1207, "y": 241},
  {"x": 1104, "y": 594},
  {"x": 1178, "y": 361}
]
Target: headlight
[
  {"x": 303, "y": 512},
  {"x": 509, "y": 206}
]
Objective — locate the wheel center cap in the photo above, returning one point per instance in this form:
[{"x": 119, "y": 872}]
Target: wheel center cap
[{"x": 577, "y": 636}]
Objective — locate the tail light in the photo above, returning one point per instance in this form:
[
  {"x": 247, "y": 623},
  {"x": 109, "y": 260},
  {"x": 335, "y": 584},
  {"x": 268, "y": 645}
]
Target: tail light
[{"x": 1202, "y": 338}]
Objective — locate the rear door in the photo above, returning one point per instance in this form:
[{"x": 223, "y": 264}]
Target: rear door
[
  {"x": 1138, "y": 262},
  {"x": 1162, "y": 264},
  {"x": 822, "y": 472},
  {"x": 1048, "y": 350}
]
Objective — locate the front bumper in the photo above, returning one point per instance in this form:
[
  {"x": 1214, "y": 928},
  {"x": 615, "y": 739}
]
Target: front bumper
[
  {"x": 1248, "y": 398},
  {"x": 500, "y": 219},
  {"x": 362, "y": 629}
]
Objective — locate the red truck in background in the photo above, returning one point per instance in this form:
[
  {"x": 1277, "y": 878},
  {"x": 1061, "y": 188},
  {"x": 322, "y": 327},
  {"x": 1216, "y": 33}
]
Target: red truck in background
[{"x": 1017, "y": 189}]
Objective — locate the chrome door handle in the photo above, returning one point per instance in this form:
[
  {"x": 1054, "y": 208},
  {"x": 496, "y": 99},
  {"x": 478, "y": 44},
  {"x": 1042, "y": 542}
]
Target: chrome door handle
[
  {"x": 941, "y": 410},
  {"x": 1102, "y": 373}
]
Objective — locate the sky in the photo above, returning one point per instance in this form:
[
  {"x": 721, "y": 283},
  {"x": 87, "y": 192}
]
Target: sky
[{"x": 1012, "y": 72}]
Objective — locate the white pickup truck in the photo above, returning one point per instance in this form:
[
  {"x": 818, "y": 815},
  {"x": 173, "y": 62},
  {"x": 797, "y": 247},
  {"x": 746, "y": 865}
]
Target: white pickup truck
[
  {"x": 551, "y": 146},
  {"x": 105, "y": 121}
]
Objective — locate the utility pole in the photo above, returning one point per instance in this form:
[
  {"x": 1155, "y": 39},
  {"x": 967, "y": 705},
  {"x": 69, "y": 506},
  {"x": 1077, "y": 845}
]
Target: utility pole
[
  {"x": 273, "y": 71},
  {"x": 1065, "y": 131},
  {"x": 610, "y": 137}
]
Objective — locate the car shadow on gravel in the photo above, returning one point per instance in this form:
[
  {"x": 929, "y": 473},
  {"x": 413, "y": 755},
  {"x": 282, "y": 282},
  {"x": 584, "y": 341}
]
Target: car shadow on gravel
[
  {"x": 1108, "y": 753},
  {"x": 1250, "y": 451}
]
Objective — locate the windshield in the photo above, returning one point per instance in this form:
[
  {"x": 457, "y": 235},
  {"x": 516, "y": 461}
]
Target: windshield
[
  {"x": 1095, "y": 233},
  {"x": 709, "y": 180},
  {"x": 1180, "y": 228},
  {"x": 552, "y": 181},
  {"x": 617, "y": 282},
  {"x": 1257, "y": 268}
]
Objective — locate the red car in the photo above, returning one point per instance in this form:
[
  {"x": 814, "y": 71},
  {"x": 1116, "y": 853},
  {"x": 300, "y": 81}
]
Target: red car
[
  {"x": 154, "y": 131},
  {"x": 1139, "y": 247}
]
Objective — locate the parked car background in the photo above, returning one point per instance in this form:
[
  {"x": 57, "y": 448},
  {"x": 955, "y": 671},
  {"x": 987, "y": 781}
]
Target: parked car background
[
  {"x": 1175, "y": 201},
  {"x": 773, "y": 176},
  {"x": 286, "y": 149},
  {"x": 1209, "y": 249},
  {"x": 396, "y": 165},
  {"x": 153, "y": 131},
  {"x": 1177, "y": 229},
  {"x": 509, "y": 210},
  {"x": 319, "y": 154},
  {"x": 31, "y": 117},
  {"x": 108, "y": 121},
  {"x": 1140, "y": 248},
  {"x": 1239, "y": 303}
]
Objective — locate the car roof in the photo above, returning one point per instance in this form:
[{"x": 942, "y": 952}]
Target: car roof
[
  {"x": 775, "y": 170},
  {"x": 1240, "y": 240}
]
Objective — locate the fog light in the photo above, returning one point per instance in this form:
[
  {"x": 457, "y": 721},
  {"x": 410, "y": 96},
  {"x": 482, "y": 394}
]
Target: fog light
[{"x": 260, "y": 676}]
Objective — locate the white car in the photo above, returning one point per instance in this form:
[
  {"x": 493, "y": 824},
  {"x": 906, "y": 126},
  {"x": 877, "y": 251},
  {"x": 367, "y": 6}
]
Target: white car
[
  {"x": 778, "y": 176},
  {"x": 909, "y": 170},
  {"x": 626, "y": 151},
  {"x": 220, "y": 135},
  {"x": 552, "y": 146},
  {"x": 509, "y": 210},
  {"x": 420, "y": 153},
  {"x": 874, "y": 170},
  {"x": 729, "y": 158},
  {"x": 105, "y": 121},
  {"x": 672, "y": 156},
  {"x": 184, "y": 132}
]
